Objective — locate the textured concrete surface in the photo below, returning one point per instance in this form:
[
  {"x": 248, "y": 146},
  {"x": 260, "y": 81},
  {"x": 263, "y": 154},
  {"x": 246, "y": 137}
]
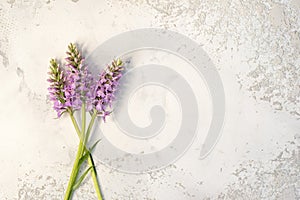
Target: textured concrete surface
[{"x": 255, "y": 46}]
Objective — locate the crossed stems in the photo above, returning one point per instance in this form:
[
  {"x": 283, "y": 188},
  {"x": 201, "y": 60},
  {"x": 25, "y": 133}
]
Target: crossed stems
[{"x": 82, "y": 154}]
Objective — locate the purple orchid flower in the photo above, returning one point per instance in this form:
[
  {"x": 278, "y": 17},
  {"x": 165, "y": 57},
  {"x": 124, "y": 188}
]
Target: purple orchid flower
[
  {"x": 74, "y": 84},
  {"x": 57, "y": 82},
  {"x": 106, "y": 86}
]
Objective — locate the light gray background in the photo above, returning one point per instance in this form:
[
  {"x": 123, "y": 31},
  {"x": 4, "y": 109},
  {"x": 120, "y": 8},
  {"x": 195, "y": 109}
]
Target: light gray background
[{"x": 255, "y": 46}]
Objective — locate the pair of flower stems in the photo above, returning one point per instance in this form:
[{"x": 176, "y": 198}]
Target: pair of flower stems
[{"x": 82, "y": 155}]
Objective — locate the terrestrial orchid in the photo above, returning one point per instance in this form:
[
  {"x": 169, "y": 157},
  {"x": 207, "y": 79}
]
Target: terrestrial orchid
[{"x": 72, "y": 87}]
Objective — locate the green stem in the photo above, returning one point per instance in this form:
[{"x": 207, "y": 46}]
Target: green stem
[
  {"x": 90, "y": 158},
  {"x": 75, "y": 125},
  {"x": 95, "y": 179},
  {"x": 80, "y": 150},
  {"x": 83, "y": 120},
  {"x": 90, "y": 126},
  {"x": 74, "y": 172}
]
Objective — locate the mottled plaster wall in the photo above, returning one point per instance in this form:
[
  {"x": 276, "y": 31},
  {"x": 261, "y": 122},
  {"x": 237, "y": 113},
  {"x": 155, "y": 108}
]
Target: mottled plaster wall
[{"x": 255, "y": 46}]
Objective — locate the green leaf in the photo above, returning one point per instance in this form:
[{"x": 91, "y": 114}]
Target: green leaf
[
  {"x": 77, "y": 184},
  {"x": 94, "y": 145},
  {"x": 83, "y": 158},
  {"x": 86, "y": 155}
]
